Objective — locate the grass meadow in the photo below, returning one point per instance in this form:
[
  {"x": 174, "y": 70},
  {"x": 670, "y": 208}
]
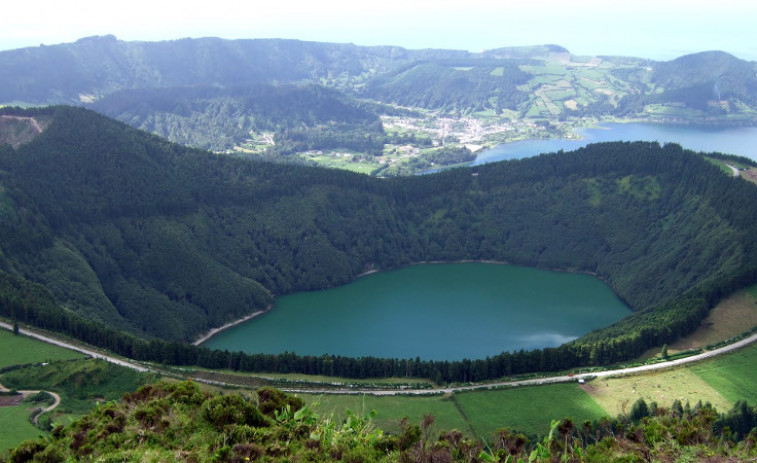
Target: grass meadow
[
  {"x": 20, "y": 350},
  {"x": 480, "y": 413},
  {"x": 391, "y": 409},
  {"x": 15, "y": 426},
  {"x": 527, "y": 409},
  {"x": 733, "y": 375}
]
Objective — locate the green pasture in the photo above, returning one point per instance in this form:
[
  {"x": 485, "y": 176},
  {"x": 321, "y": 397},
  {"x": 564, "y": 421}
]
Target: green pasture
[
  {"x": 527, "y": 409},
  {"x": 391, "y": 409},
  {"x": 720, "y": 164},
  {"x": 734, "y": 375},
  {"x": 20, "y": 350},
  {"x": 16, "y": 426},
  {"x": 477, "y": 413},
  {"x": 345, "y": 163}
]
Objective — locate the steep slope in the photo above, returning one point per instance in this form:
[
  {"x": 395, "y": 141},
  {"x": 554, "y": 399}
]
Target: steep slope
[
  {"x": 220, "y": 118},
  {"x": 132, "y": 231}
]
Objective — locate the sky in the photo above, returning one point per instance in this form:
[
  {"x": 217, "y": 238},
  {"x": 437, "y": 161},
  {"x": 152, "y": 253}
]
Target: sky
[{"x": 656, "y": 29}]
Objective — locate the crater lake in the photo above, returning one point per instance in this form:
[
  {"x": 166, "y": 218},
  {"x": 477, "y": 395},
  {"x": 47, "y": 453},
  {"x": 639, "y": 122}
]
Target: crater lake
[{"x": 432, "y": 311}]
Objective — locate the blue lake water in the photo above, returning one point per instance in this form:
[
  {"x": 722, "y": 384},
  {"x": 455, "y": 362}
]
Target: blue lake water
[
  {"x": 434, "y": 311},
  {"x": 741, "y": 141}
]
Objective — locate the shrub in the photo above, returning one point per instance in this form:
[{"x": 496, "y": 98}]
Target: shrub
[{"x": 226, "y": 410}]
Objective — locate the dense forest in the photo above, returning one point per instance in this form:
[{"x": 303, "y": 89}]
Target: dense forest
[
  {"x": 108, "y": 230},
  {"x": 218, "y": 118},
  {"x": 181, "y": 422}
]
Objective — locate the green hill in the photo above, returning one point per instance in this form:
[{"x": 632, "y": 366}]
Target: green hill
[
  {"x": 136, "y": 233},
  {"x": 218, "y": 119}
]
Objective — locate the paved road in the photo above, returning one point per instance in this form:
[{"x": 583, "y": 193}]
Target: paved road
[
  {"x": 441, "y": 390},
  {"x": 548, "y": 380},
  {"x": 83, "y": 350}
]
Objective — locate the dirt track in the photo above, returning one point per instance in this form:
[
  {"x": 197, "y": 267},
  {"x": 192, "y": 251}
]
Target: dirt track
[{"x": 24, "y": 394}]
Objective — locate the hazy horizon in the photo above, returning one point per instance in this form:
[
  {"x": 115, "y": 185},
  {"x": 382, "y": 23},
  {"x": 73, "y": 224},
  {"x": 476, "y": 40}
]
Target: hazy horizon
[{"x": 658, "y": 30}]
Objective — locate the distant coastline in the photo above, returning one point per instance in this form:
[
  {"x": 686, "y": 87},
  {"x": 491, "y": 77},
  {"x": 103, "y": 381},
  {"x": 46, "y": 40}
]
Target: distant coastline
[{"x": 214, "y": 331}]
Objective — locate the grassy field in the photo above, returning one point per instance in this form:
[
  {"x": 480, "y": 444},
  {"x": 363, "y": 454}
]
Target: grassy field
[
  {"x": 721, "y": 165},
  {"x": 80, "y": 383},
  {"x": 527, "y": 409},
  {"x": 480, "y": 413},
  {"x": 19, "y": 350},
  {"x": 15, "y": 426},
  {"x": 734, "y": 375},
  {"x": 300, "y": 381},
  {"x": 391, "y": 409},
  {"x": 345, "y": 163},
  {"x": 617, "y": 395}
]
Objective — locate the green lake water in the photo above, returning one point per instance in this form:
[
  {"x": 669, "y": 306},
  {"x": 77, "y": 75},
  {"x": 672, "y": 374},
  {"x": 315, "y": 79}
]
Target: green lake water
[{"x": 432, "y": 311}]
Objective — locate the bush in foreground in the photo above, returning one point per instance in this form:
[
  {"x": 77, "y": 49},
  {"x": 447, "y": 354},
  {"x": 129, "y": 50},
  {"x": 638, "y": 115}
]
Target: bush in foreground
[{"x": 179, "y": 422}]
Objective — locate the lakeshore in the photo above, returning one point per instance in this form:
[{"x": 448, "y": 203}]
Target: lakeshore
[{"x": 214, "y": 331}]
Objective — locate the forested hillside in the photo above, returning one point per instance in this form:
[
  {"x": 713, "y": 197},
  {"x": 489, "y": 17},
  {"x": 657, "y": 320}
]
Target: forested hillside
[
  {"x": 131, "y": 231},
  {"x": 97, "y": 66},
  {"x": 227, "y": 94},
  {"x": 299, "y": 117}
]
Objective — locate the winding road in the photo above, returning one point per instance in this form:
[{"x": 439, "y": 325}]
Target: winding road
[
  {"x": 50, "y": 408},
  {"x": 441, "y": 390}
]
